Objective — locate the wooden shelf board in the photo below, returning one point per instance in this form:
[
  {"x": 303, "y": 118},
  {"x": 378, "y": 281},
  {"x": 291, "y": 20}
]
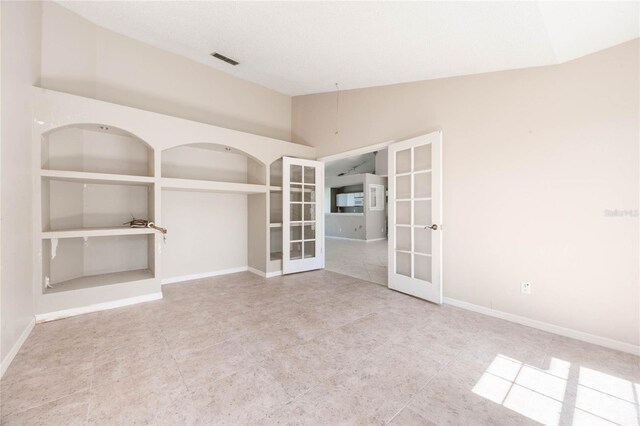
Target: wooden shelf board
[
  {"x": 101, "y": 280},
  {"x": 175, "y": 184},
  {"x": 95, "y": 232},
  {"x": 88, "y": 177}
]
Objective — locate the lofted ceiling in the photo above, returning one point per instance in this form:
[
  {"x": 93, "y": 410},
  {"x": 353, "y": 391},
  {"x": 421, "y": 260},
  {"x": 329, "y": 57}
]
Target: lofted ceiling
[
  {"x": 363, "y": 163},
  {"x": 306, "y": 47}
]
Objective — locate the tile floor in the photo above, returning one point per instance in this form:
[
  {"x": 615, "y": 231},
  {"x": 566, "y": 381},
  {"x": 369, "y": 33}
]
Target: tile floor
[
  {"x": 360, "y": 259},
  {"x": 313, "y": 348}
]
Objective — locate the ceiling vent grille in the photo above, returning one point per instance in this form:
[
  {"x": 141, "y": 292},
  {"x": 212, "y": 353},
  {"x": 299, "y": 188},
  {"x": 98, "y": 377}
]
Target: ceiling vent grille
[{"x": 224, "y": 58}]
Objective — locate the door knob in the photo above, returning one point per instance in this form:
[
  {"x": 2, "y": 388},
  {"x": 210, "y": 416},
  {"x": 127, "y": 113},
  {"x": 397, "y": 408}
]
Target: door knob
[{"x": 433, "y": 227}]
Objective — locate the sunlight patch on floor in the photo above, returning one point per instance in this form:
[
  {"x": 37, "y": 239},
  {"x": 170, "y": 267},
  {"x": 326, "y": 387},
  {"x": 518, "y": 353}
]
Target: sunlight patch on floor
[{"x": 600, "y": 399}]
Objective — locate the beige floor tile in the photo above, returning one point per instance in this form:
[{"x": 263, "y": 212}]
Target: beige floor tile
[
  {"x": 130, "y": 360},
  {"x": 408, "y": 417},
  {"x": 243, "y": 398},
  {"x": 348, "y": 399},
  {"x": 289, "y": 415},
  {"x": 138, "y": 398},
  {"x": 360, "y": 259},
  {"x": 191, "y": 338},
  {"x": 260, "y": 344},
  {"x": 28, "y": 389},
  {"x": 316, "y": 348},
  {"x": 297, "y": 370},
  {"x": 213, "y": 363},
  {"x": 449, "y": 399},
  {"x": 69, "y": 410}
]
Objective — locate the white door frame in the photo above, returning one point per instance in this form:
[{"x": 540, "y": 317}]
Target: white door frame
[
  {"x": 357, "y": 151},
  {"x": 428, "y": 290}
]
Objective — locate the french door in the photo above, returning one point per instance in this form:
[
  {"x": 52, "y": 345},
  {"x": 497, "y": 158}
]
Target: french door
[
  {"x": 302, "y": 215},
  {"x": 415, "y": 217}
]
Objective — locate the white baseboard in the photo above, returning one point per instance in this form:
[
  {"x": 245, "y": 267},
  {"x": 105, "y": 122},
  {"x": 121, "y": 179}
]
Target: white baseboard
[
  {"x": 257, "y": 272},
  {"x": 264, "y": 274},
  {"x": 192, "y": 277},
  {"x": 344, "y": 238},
  {"x": 65, "y": 313},
  {"x": 544, "y": 326},
  {"x": 16, "y": 347},
  {"x": 355, "y": 239}
]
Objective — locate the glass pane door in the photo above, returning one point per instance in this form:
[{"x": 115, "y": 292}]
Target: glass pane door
[
  {"x": 415, "y": 215},
  {"x": 302, "y": 218}
]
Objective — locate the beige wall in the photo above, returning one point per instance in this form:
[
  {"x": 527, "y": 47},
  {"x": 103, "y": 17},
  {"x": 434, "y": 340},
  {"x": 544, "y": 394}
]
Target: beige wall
[
  {"x": 81, "y": 58},
  {"x": 20, "y": 51},
  {"x": 207, "y": 233},
  {"x": 532, "y": 160}
]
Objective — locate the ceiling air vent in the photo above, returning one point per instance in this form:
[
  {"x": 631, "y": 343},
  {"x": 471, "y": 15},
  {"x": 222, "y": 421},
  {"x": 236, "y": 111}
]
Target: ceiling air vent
[{"x": 224, "y": 58}]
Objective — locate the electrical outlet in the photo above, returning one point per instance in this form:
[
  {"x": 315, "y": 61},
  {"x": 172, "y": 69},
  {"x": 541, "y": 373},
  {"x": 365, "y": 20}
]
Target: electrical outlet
[{"x": 525, "y": 287}]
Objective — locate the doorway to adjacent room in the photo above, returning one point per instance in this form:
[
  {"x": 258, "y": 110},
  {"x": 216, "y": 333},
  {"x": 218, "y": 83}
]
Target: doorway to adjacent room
[{"x": 355, "y": 199}]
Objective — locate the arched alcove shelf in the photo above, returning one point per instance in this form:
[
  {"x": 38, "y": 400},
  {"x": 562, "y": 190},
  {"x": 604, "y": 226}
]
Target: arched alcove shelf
[
  {"x": 96, "y": 148},
  {"x": 94, "y": 177},
  {"x": 212, "y": 167}
]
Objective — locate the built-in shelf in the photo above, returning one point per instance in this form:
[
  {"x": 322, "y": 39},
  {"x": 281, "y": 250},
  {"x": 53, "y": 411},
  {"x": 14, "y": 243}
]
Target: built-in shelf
[
  {"x": 91, "y": 178},
  {"x": 101, "y": 280},
  {"x": 211, "y": 186},
  {"x": 275, "y": 256},
  {"x": 95, "y": 232},
  {"x": 88, "y": 177}
]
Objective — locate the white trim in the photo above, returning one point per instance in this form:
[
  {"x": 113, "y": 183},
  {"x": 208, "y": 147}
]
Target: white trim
[
  {"x": 357, "y": 151},
  {"x": 344, "y": 238},
  {"x": 264, "y": 274},
  {"x": 544, "y": 326},
  {"x": 375, "y": 239},
  {"x": 181, "y": 278},
  {"x": 65, "y": 313},
  {"x": 257, "y": 272},
  {"x": 16, "y": 347}
]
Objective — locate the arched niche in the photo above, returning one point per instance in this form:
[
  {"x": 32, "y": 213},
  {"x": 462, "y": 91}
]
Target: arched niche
[
  {"x": 96, "y": 148},
  {"x": 212, "y": 162}
]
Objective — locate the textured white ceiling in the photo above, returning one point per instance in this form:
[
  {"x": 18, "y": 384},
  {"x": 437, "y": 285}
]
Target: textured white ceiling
[{"x": 306, "y": 47}]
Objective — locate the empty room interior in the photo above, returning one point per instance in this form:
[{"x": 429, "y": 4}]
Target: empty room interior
[{"x": 319, "y": 213}]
